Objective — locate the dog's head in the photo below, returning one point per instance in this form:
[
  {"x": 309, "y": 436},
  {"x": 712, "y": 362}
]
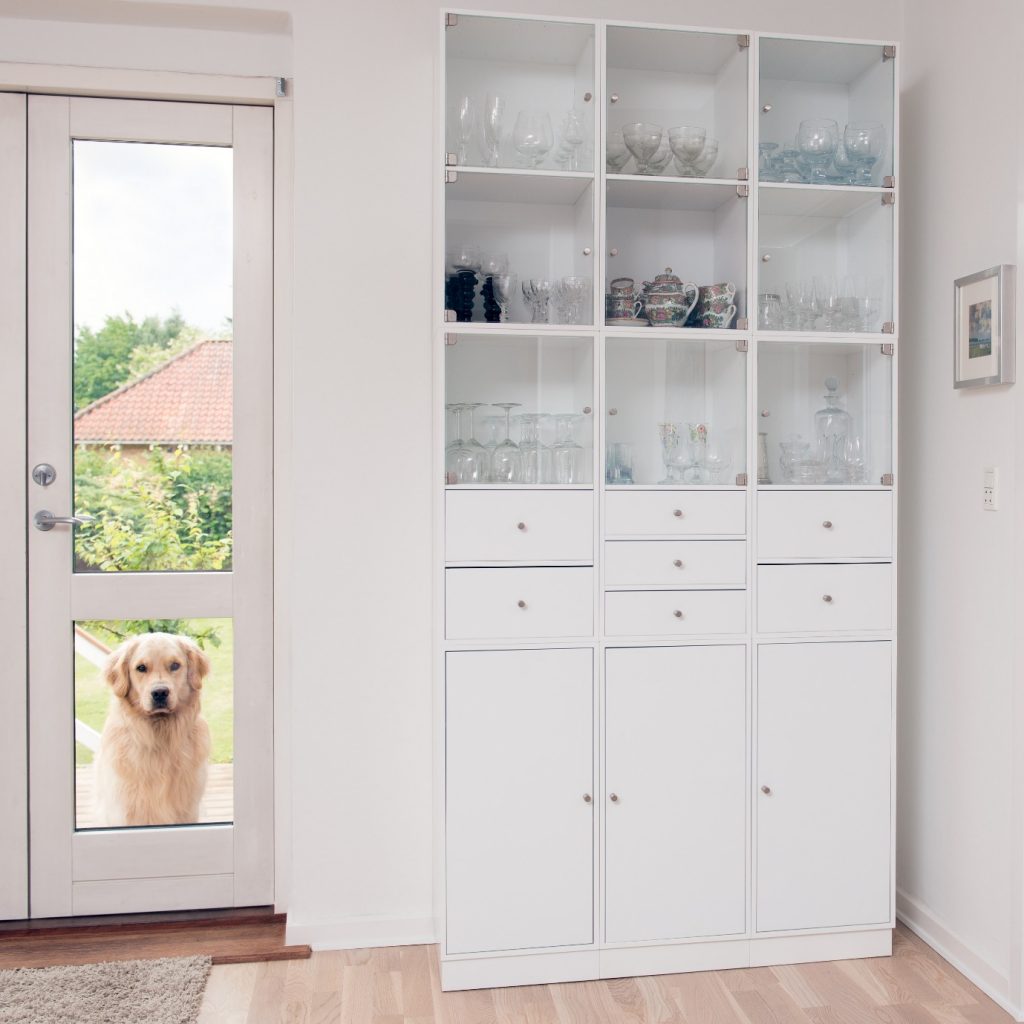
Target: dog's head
[{"x": 157, "y": 674}]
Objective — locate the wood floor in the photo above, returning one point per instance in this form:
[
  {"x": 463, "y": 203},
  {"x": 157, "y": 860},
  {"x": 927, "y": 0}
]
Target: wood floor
[{"x": 400, "y": 986}]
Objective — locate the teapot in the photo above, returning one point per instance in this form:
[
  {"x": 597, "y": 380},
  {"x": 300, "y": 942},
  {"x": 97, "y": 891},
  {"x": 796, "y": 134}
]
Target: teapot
[{"x": 668, "y": 301}]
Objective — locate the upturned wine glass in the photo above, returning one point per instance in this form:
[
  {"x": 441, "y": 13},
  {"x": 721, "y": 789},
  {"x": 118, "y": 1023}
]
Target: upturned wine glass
[
  {"x": 492, "y": 128},
  {"x": 642, "y": 140},
  {"x": 533, "y": 136},
  {"x": 506, "y": 459},
  {"x": 466, "y": 459},
  {"x": 536, "y": 456},
  {"x": 817, "y": 139},
  {"x": 568, "y": 456},
  {"x": 864, "y": 142}
]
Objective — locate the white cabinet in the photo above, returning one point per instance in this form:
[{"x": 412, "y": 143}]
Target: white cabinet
[
  {"x": 823, "y": 785},
  {"x": 675, "y": 777},
  {"x": 519, "y": 813}
]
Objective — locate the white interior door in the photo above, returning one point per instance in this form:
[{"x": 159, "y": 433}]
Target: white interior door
[
  {"x": 149, "y": 269},
  {"x": 823, "y": 796},
  {"x": 675, "y": 756}
]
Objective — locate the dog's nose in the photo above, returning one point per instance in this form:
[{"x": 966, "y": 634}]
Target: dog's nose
[{"x": 160, "y": 695}]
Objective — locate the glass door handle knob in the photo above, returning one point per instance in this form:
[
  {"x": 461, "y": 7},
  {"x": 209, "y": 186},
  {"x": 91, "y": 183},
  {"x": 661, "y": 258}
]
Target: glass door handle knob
[
  {"x": 767, "y": 790},
  {"x": 827, "y": 524},
  {"x": 521, "y": 526},
  {"x": 614, "y": 797},
  {"x": 44, "y": 520},
  {"x": 678, "y": 563}
]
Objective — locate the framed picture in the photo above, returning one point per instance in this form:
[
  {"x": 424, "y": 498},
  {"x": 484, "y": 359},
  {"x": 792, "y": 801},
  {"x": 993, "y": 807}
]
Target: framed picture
[{"x": 983, "y": 334}]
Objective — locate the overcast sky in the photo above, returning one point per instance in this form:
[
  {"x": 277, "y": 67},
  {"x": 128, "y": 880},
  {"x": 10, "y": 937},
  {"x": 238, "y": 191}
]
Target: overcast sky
[{"x": 153, "y": 232}]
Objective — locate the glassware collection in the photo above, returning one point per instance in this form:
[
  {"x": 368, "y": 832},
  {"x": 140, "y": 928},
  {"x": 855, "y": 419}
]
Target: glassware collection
[
  {"x": 473, "y": 274},
  {"x": 480, "y": 130},
  {"x": 547, "y": 451},
  {"x": 821, "y": 154},
  {"x": 846, "y": 304},
  {"x": 668, "y": 301},
  {"x": 691, "y": 455},
  {"x": 653, "y": 148},
  {"x": 835, "y": 455}
]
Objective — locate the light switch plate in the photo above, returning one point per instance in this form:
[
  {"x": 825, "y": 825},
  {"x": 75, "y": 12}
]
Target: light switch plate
[{"x": 990, "y": 488}]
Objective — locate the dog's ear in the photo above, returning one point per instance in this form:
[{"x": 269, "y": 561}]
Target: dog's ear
[
  {"x": 198, "y": 662},
  {"x": 118, "y": 666}
]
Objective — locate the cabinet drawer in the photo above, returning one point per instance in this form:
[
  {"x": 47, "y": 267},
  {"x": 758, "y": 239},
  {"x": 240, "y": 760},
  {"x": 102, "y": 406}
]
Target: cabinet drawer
[
  {"x": 653, "y": 513},
  {"x": 824, "y": 524},
  {"x": 502, "y": 604},
  {"x": 683, "y": 563},
  {"x": 519, "y": 526},
  {"x": 674, "y": 612},
  {"x": 824, "y": 598}
]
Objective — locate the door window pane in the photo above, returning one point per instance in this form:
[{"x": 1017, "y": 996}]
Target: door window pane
[
  {"x": 152, "y": 356},
  {"x": 154, "y": 722}
]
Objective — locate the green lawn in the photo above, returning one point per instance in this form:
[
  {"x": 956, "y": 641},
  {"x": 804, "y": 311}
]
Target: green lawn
[{"x": 92, "y": 694}]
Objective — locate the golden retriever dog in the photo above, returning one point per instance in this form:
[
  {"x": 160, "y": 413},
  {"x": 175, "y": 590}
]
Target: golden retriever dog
[{"x": 155, "y": 746}]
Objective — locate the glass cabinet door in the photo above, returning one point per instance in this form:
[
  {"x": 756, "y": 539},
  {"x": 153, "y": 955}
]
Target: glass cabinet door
[
  {"x": 519, "y": 410},
  {"x": 675, "y": 412},
  {"x": 825, "y": 414}
]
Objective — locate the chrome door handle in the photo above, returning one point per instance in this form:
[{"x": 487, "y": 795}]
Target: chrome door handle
[{"x": 45, "y": 520}]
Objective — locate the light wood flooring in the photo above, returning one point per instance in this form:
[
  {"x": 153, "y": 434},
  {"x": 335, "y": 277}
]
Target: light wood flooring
[{"x": 400, "y": 986}]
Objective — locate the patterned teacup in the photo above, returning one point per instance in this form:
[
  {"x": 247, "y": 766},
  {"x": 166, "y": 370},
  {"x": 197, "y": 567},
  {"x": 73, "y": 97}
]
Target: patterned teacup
[
  {"x": 716, "y": 318},
  {"x": 623, "y": 286}
]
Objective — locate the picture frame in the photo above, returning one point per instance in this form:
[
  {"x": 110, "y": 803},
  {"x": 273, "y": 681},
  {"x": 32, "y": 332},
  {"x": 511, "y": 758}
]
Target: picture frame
[{"x": 984, "y": 336}]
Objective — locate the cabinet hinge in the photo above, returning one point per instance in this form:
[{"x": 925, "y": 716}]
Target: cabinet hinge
[
  {"x": 450, "y": 477},
  {"x": 743, "y": 174},
  {"x": 451, "y": 339},
  {"x": 743, "y": 191},
  {"x": 889, "y": 199},
  {"x": 889, "y": 52},
  {"x": 742, "y": 344},
  {"x": 743, "y": 42},
  {"x": 450, "y": 177},
  {"x": 741, "y": 479},
  {"x": 450, "y": 316},
  {"x": 281, "y": 87},
  {"x": 889, "y": 181},
  {"x": 889, "y": 327},
  {"x": 451, "y": 20},
  {"x": 888, "y": 480},
  {"x": 888, "y": 349},
  {"x": 451, "y": 159}
]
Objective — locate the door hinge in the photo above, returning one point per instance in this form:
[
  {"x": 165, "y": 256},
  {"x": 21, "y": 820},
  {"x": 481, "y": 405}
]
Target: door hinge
[
  {"x": 741, "y": 479},
  {"x": 451, "y": 20},
  {"x": 451, "y": 340},
  {"x": 889, "y": 327},
  {"x": 743, "y": 191},
  {"x": 888, "y": 480},
  {"x": 451, "y": 159},
  {"x": 450, "y": 316},
  {"x": 742, "y": 344},
  {"x": 281, "y": 87},
  {"x": 889, "y": 199},
  {"x": 743, "y": 41},
  {"x": 889, "y": 52},
  {"x": 888, "y": 349},
  {"x": 450, "y": 177},
  {"x": 889, "y": 181},
  {"x": 743, "y": 174}
]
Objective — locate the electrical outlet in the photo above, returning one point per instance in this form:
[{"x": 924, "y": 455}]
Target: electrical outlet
[{"x": 990, "y": 488}]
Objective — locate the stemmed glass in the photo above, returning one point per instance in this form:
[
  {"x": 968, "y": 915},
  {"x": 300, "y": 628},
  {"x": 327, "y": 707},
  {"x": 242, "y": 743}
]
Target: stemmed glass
[
  {"x": 506, "y": 459},
  {"x": 570, "y": 296},
  {"x": 642, "y": 140},
  {"x": 617, "y": 154},
  {"x": 504, "y": 285},
  {"x": 687, "y": 142},
  {"x": 706, "y": 160},
  {"x": 568, "y": 456},
  {"x": 676, "y": 457},
  {"x": 817, "y": 139},
  {"x": 466, "y": 458},
  {"x": 661, "y": 158},
  {"x": 537, "y": 293},
  {"x": 864, "y": 141},
  {"x": 493, "y": 114},
  {"x": 465, "y": 122},
  {"x": 536, "y": 456},
  {"x": 573, "y": 137},
  {"x": 533, "y": 136}
]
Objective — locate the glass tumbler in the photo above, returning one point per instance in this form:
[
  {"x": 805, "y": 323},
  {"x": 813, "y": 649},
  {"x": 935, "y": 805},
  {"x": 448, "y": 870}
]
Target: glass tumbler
[{"x": 817, "y": 140}]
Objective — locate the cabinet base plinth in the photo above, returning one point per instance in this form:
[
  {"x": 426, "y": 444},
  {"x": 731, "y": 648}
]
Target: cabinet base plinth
[{"x": 500, "y": 971}]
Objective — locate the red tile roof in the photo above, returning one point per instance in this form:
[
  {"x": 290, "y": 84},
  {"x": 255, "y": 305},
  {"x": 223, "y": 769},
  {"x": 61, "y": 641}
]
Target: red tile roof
[{"x": 186, "y": 400}]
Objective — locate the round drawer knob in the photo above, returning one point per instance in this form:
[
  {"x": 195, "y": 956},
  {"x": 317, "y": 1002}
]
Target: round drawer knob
[
  {"x": 827, "y": 524},
  {"x": 520, "y": 526},
  {"x": 614, "y": 797},
  {"x": 678, "y": 513},
  {"x": 522, "y": 604},
  {"x": 767, "y": 790},
  {"x": 587, "y": 798},
  {"x": 678, "y": 563},
  {"x": 678, "y": 614},
  {"x": 827, "y": 598}
]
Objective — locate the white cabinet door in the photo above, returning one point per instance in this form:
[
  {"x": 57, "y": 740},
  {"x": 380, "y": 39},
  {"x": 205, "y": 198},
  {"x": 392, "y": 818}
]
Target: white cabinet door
[
  {"x": 676, "y": 762},
  {"x": 519, "y": 826},
  {"x": 823, "y": 785}
]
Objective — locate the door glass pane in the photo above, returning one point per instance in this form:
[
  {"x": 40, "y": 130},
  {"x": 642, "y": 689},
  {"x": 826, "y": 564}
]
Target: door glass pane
[
  {"x": 154, "y": 722},
  {"x": 152, "y": 356}
]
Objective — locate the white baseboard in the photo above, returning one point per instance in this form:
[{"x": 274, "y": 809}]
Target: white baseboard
[
  {"x": 923, "y": 923},
  {"x": 362, "y": 932}
]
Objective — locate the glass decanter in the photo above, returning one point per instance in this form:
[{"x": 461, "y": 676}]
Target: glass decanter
[{"x": 832, "y": 428}]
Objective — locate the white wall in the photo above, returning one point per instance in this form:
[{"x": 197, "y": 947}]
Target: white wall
[
  {"x": 958, "y": 598},
  {"x": 360, "y": 579}
]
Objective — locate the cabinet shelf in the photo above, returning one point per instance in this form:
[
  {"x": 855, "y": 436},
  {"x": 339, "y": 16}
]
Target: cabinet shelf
[
  {"x": 519, "y": 487},
  {"x": 677, "y": 333},
  {"x": 518, "y": 185},
  {"x": 788, "y": 199},
  {"x": 660, "y": 193}
]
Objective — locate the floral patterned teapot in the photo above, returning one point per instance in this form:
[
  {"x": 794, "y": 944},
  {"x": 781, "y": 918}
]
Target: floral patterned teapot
[{"x": 668, "y": 301}]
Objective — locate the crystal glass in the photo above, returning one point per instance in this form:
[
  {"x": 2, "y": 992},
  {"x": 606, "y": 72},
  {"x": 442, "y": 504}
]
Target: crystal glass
[
  {"x": 533, "y": 136},
  {"x": 537, "y": 293},
  {"x": 864, "y": 142},
  {"x": 687, "y": 143},
  {"x": 494, "y": 263},
  {"x": 855, "y": 460},
  {"x": 537, "y": 465},
  {"x": 619, "y": 463},
  {"x": 788, "y": 165},
  {"x": 568, "y": 456},
  {"x": 465, "y": 126},
  {"x": 817, "y": 139},
  {"x": 617, "y": 154},
  {"x": 492, "y": 128},
  {"x": 674, "y": 454},
  {"x": 832, "y": 428},
  {"x": 830, "y": 302},
  {"x": 660, "y": 160},
  {"x": 492, "y": 430},
  {"x": 766, "y": 166},
  {"x": 466, "y": 459},
  {"x": 791, "y": 452},
  {"x": 571, "y": 294},
  {"x": 706, "y": 161},
  {"x": 464, "y": 257},
  {"x": 504, "y": 286},
  {"x": 506, "y": 464},
  {"x": 844, "y": 169},
  {"x": 573, "y": 135},
  {"x": 642, "y": 140}
]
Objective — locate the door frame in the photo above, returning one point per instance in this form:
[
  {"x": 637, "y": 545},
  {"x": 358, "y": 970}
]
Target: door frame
[{"x": 17, "y": 82}]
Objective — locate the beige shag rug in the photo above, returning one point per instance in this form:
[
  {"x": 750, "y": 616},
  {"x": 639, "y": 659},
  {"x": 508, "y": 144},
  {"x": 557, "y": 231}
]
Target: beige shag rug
[{"x": 165, "y": 991}]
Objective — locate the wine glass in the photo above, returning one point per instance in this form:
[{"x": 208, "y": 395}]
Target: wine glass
[
  {"x": 674, "y": 456},
  {"x": 465, "y": 121},
  {"x": 533, "y": 136},
  {"x": 817, "y": 140},
  {"x": 687, "y": 142},
  {"x": 466, "y": 459},
  {"x": 567, "y": 455},
  {"x": 506, "y": 459},
  {"x": 617, "y": 153},
  {"x": 536, "y": 456},
  {"x": 571, "y": 294},
  {"x": 864, "y": 142},
  {"x": 854, "y": 460},
  {"x": 494, "y": 263},
  {"x": 492, "y": 127},
  {"x": 660, "y": 160},
  {"x": 642, "y": 140},
  {"x": 537, "y": 293},
  {"x": 504, "y": 285},
  {"x": 703, "y": 164},
  {"x": 573, "y": 136}
]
